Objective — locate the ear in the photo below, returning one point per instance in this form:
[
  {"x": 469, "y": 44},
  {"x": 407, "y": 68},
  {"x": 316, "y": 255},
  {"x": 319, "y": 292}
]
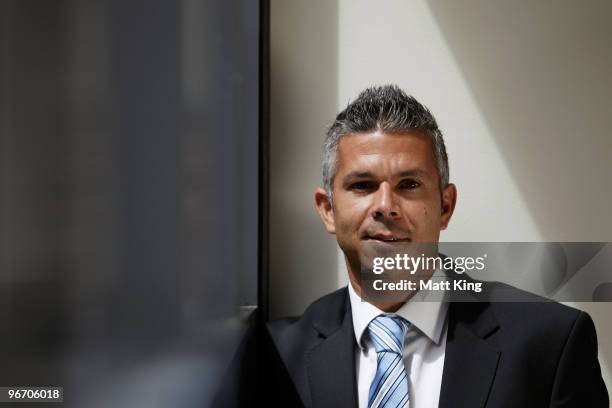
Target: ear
[
  {"x": 325, "y": 210},
  {"x": 449, "y": 199}
]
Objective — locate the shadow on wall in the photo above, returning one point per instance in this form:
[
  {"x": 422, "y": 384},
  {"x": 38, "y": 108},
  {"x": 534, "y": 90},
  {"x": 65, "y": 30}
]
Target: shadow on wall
[
  {"x": 539, "y": 72},
  {"x": 303, "y": 100}
]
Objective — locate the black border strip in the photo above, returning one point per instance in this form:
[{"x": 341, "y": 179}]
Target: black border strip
[{"x": 264, "y": 154}]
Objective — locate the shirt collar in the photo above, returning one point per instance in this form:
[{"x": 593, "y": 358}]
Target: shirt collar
[{"x": 427, "y": 316}]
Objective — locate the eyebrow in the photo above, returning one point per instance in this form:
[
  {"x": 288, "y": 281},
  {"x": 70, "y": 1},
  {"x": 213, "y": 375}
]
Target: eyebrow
[
  {"x": 412, "y": 172},
  {"x": 357, "y": 175}
]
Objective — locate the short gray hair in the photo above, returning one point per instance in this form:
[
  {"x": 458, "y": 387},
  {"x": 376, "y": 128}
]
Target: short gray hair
[{"x": 387, "y": 109}]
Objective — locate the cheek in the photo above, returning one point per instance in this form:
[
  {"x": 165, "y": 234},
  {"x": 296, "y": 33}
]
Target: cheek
[
  {"x": 432, "y": 210},
  {"x": 350, "y": 218},
  {"x": 423, "y": 216},
  {"x": 344, "y": 224}
]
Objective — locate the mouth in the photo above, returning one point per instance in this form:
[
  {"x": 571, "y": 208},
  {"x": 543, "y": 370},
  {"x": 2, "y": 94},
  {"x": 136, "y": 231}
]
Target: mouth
[{"x": 386, "y": 237}]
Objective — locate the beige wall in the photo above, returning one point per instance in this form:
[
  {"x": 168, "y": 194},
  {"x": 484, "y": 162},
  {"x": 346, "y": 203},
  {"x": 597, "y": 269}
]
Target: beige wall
[
  {"x": 520, "y": 90},
  {"x": 303, "y": 98}
]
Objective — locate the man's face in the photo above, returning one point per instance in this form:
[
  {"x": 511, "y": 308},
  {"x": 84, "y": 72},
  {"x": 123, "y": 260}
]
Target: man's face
[{"x": 386, "y": 192}]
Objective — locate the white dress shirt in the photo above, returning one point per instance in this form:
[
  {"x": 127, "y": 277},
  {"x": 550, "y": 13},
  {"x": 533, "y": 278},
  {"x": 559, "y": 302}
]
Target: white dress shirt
[{"x": 423, "y": 354}]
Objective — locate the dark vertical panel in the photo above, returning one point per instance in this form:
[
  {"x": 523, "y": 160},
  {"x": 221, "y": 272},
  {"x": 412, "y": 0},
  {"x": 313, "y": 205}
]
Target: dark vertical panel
[
  {"x": 144, "y": 72},
  {"x": 34, "y": 188},
  {"x": 220, "y": 149},
  {"x": 221, "y": 125},
  {"x": 129, "y": 182}
]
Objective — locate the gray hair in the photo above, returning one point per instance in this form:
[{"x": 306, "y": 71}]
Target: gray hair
[{"x": 387, "y": 109}]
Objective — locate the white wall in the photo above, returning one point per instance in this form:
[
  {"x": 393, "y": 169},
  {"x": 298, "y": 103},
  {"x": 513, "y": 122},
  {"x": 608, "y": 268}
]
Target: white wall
[{"x": 520, "y": 90}]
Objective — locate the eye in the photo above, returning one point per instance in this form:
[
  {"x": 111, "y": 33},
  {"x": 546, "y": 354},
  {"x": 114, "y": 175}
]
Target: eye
[
  {"x": 362, "y": 186},
  {"x": 409, "y": 184}
]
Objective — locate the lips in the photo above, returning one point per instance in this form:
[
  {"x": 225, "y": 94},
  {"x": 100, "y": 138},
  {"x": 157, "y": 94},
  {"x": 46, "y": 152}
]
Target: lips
[{"x": 387, "y": 237}]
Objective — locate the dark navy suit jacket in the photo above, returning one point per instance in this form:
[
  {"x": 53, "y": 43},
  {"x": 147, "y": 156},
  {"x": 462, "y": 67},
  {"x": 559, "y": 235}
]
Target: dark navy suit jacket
[{"x": 533, "y": 353}]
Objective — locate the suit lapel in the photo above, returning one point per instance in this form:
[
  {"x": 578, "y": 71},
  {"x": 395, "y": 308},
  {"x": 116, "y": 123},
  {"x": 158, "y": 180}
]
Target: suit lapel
[
  {"x": 470, "y": 362},
  {"x": 318, "y": 351},
  {"x": 331, "y": 367}
]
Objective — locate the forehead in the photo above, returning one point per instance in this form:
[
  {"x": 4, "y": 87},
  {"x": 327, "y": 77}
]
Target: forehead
[{"x": 381, "y": 150}]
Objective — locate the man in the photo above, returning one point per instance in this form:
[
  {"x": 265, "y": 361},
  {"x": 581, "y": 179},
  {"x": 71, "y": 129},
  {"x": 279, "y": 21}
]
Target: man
[{"x": 386, "y": 184}]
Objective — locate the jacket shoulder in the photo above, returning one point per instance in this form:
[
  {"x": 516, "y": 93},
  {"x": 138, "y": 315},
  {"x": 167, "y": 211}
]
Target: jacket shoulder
[
  {"x": 520, "y": 308},
  {"x": 330, "y": 306}
]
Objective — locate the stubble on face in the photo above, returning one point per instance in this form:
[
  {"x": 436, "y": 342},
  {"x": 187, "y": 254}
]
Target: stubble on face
[{"x": 386, "y": 194}]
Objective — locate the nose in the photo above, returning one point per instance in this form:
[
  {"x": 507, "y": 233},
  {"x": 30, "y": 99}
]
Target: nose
[{"x": 384, "y": 205}]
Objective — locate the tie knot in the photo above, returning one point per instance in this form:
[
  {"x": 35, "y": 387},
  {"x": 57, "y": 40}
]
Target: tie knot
[{"x": 387, "y": 332}]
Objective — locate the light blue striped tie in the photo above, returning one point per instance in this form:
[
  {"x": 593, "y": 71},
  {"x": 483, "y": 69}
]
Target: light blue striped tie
[{"x": 390, "y": 385}]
